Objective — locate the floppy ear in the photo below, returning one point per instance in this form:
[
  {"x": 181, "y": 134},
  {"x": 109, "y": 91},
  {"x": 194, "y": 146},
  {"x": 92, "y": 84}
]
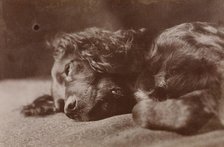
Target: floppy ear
[
  {"x": 97, "y": 63},
  {"x": 100, "y": 67},
  {"x": 98, "y": 53},
  {"x": 110, "y": 53},
  {"x": 102, "y": 62}
]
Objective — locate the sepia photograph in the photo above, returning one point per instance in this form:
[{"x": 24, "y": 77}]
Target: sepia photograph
[{"x": 111, "y": 73}]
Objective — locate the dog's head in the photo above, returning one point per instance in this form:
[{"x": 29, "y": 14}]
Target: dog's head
[
  {"x": 106, "y": 51},
  {"x": 91, "y": 95},
  {"x": 89, "y": 61}
]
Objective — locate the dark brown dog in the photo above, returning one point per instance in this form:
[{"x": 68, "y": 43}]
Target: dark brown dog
[{"x": 180, "y": 74}]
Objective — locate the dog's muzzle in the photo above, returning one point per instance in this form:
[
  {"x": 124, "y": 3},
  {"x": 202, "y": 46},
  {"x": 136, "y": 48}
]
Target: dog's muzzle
[{"x": 71, "y": 107}]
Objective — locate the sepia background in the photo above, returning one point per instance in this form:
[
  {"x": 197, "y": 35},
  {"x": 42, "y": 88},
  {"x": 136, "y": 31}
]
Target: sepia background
[{"x": 26, "y": 24}]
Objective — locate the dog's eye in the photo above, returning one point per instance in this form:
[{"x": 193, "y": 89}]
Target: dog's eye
[
  {"x": 117, "y": 92},
  {"x": 67, "y": 69}
]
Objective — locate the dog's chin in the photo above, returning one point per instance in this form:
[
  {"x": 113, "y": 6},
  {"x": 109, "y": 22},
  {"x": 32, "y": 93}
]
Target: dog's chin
[
  {"x": 84, "y": 117},
  {"x": 88, "y": 117},
  {"x": 76, "y": 117}
]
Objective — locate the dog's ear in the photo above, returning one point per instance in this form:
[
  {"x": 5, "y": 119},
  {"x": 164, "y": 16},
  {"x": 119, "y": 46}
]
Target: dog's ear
[
  {"x": 101, "y": 67},
  {"x": 96, "y": 62},
  {"x": 110, "y": 53}
]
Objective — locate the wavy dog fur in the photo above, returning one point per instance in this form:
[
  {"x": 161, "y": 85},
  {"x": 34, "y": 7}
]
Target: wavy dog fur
[
  {"x": 176, "y": 78},
  {"x": 85, "y": 61},
  {"x": 186, "y": 62},
  {"x": 91, "y": 55}
]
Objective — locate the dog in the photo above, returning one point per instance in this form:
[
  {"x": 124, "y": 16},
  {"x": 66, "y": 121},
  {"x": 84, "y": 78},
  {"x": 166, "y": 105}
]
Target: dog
[{"x": 175, "y": 78}]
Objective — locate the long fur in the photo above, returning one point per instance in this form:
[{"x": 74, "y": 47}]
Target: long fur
[
  {"x": 187, "y": 79},
  {"x": 175, "y": 77},
  {"x": 105, "y": 51}
]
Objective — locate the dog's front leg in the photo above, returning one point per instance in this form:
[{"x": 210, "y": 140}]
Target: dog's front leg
[
  {"x": 41, "y": 106},
  {"x": 47, "y": 104},
  {"x": 185, "y": 114}
]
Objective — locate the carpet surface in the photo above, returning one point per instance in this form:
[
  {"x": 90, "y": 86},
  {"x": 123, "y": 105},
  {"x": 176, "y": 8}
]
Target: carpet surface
[{"x": 59, "y": 131}]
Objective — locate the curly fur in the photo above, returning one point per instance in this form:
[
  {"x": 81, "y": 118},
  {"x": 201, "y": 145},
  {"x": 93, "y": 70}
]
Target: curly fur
[
  {"x": 187, "y": 79},
  {"x": 105, "y": 51}
]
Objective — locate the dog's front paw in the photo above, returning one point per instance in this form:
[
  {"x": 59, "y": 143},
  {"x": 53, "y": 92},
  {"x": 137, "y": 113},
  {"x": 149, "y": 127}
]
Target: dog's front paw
[
  {"x": 175, "y": 115},
  {"x": 43, "y": 105}
]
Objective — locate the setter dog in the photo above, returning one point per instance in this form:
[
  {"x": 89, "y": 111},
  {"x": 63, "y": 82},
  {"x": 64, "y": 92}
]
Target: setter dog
[{"x": 175, "y": 78}]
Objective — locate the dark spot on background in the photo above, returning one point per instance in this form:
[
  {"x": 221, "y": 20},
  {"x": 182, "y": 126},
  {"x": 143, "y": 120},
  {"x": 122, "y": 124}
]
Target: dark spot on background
[{"x": 36, "y": 27}]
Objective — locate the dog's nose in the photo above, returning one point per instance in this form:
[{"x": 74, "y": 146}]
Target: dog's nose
[{"x": 71, "y": 105}]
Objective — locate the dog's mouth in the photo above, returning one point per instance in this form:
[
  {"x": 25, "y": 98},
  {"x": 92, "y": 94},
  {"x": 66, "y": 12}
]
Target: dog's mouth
[
  {"x": 92, "y": 115},
  {"x": 78, "y": 117},
  {"x": 73, "y": 116},
  {"x": 101, "y": 109}
]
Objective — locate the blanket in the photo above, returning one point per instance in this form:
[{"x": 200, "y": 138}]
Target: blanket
[{"x": 59, "y": 131}]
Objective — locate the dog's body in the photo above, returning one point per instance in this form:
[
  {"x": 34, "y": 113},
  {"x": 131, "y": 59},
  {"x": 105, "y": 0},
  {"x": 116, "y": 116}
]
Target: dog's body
[
  {"x": 178, "y": 77},
  {"x": 187, "y": 66}
]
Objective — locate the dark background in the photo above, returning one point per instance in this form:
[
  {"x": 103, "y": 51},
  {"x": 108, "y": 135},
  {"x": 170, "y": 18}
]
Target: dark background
[{"x": 26, "y": 24}]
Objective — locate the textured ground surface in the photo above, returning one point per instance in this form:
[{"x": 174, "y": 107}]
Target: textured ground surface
[{"x": 58, "y": 130}]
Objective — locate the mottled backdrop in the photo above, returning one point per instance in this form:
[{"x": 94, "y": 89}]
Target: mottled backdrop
[{"x": 26, "y": 24}]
